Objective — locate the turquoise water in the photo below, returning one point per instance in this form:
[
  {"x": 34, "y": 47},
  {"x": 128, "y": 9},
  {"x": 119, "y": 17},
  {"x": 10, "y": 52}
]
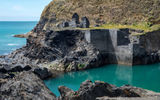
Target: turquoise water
[
  {"x": 145, "y": 76},
  {"x": 9, "y": 43}
]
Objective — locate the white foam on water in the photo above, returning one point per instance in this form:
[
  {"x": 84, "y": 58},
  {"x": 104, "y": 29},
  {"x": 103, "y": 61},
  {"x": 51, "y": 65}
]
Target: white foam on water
[{"x": 13, "y": 44}]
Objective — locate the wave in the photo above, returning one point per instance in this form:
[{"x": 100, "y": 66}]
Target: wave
[{"x": 13, "y": 44}]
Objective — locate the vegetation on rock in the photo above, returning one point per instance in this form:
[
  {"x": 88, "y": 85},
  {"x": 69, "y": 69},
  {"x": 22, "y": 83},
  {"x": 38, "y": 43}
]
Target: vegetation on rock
[{"x": 112, "y": 13}]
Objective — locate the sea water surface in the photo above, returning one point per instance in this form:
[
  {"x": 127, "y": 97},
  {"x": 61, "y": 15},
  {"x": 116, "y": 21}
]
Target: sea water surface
[
  {"x": 145, "y": 76},
  {"x": 9, "y": 43}
]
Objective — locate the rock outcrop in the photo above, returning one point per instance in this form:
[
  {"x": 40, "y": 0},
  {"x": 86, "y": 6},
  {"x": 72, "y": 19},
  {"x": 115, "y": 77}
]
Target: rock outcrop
[
  {"x": 104, "y": 91},
  {"x": 75, "y": 49},
  {"x": 25, "y": 86},
  {"x": 43, "y": 73},
  {"x": 50, "y": 49},
  {"x": 75, "y": 23},
  {"x": 101, "y": 12},
  {"x": 70, "y": 48}
]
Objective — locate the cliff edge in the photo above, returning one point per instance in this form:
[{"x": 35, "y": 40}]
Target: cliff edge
[{"x": 101, "y": 12}]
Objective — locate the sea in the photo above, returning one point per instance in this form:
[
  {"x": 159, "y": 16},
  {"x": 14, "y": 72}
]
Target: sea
[
  {"x": 8, "y": 29},
  {"x": 143, "y": 76}
]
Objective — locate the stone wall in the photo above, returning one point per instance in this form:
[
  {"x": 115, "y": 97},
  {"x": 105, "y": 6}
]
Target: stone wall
[{"x": 120, "y": 47}]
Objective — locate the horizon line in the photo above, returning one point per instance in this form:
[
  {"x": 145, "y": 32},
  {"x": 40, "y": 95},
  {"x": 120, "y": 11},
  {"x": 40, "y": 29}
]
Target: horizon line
[{"x": 18, "y": 20}]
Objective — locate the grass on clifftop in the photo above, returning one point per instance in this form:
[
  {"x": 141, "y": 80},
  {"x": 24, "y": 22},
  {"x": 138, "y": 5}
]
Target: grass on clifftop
[
  {"x": 101, "y": 12},
  {"x": 146, "y": 27}
]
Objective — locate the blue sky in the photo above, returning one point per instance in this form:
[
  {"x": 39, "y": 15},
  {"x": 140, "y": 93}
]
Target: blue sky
[{"x": 21, "y": 10}]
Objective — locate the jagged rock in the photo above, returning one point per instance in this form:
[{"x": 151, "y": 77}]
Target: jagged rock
[
  {"x": 75, "y": 21},
  {"x": 66, "y": 92},
  {"x": 84, "y": 49},
  {"x": 20, "y": 35},
  {"x": 127, "y": 98},
  {"x": 6, "y": 76},
  {"x": 14, "y": 68},
  {"x": 64, "y": 24},
  {"x": 84, "y": 22},
  {"x": 75, "y": 18},
  {"x": 25, "y": 86},
  {"x": 73, "y": 24},
  {"x": 43, "y": 73},
  {"x": 101, "y": 90}
]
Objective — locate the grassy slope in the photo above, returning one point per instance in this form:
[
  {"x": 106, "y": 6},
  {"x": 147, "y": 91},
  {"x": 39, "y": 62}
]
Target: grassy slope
[{"x": 135, "y": 13}]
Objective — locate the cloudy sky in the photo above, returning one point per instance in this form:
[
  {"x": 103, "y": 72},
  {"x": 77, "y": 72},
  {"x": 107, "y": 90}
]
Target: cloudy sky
[{"x": 21, "y": 10}]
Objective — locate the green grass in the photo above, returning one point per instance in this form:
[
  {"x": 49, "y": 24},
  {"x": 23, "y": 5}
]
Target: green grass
[
  {"x": 146, "y": 27},
  {"x": 101, "y": 12}
]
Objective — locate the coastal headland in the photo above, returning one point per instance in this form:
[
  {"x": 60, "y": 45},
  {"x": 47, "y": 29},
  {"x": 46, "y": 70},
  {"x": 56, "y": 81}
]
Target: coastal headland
[{"x": 66, "y": 39}]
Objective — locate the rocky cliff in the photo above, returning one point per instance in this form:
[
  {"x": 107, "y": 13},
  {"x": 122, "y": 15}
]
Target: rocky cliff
[
  {"x": 68, "y": 44},
  {"x": 63, "y": 42},
  {"x": 102, "y": 11},
  {"x": 25, "y": 86}
]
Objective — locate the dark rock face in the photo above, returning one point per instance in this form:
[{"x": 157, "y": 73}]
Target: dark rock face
[
  {"x": 84, "y": 22},
  {"x": 75, "y": 18},
  {"x": 69, "y": 48},
  {"x": 25, "y": 86},
  {"x": 64, "y": 24},
  {"x": 6, "y": 76},
  {"x": 17, "y": 68},
  {"x": 75, "y": 23},
  {"x": 43, "y": 73},
  {"x": 93, "y": 91},
  {"x": 7, "y": 71},
  {"x": 74, "y": 49}
]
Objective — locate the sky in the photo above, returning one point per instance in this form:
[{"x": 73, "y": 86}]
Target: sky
[{"x": 21, "y": 10}]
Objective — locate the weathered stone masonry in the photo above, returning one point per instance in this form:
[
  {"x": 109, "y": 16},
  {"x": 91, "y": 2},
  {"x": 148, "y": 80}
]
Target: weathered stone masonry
[{"x": 120, "y": 47}]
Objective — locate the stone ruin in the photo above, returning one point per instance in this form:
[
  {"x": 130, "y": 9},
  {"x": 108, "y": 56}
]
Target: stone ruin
[{"x": 75, "y": 23}]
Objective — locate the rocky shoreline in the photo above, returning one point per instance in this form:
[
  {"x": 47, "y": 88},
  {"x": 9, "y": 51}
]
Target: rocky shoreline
[
  {"x": 56, "y": 46},
  {"x": 74, "y": 46},
  {"x": 28, "y": 86},
  {"x": 49, "y": 52}
]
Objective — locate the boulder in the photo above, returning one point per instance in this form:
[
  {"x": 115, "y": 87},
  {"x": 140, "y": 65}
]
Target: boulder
[
  {"x": 25, "y": 86},
  {"x": 66, "y": 92},
  {"x": 84, "y": 22},
  {"x": 43, "y": 73},
  {"x": 100, "y": 91},
  {"x": 87, "y": 91}
]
